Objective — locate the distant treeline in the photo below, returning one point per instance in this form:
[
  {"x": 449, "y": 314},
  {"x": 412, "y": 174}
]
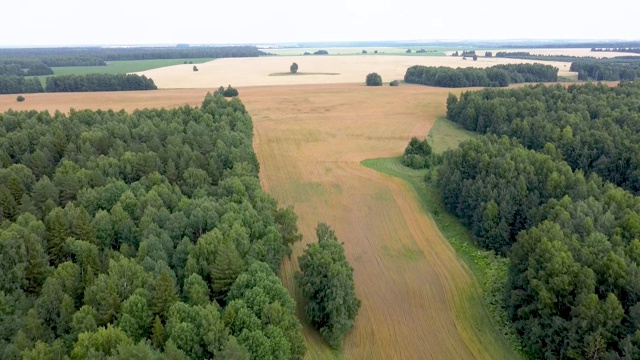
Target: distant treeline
[
  {"x": 76, "y": 83},
  {"x": 319, "y": 52},
  {"x": 19, "y": 84},
  {"x": 588, "y": 67},
  {"x": 634, "y": 50},
  {"x": 528, "y": 56},
  {"x": 134, "y": 53},
  {"x": 495, "y": 76},
  {"x": 99, "y": 82},
  {"x": 38, "y": 61},
  {"x": 594, "y": 128},
  {"x": 565, "y": 45},
  {"x": 607, "y": 69}
]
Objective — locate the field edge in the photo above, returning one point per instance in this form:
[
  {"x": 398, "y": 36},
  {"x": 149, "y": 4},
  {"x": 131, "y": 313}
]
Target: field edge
[{"x": 489, "y": 269}]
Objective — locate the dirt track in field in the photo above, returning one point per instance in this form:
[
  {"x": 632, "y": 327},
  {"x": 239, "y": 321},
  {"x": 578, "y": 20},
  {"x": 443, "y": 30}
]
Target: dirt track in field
[{"x": 419, "y": 300}]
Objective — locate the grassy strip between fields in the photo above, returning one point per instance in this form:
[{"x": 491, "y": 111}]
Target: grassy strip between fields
[{"x": 489, "y": 268}]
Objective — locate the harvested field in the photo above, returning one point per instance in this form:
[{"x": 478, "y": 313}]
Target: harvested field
[
  {"x": 351, "y": 69},
  {"x": 115, "y": 100},
  {"x": 419, "y": 300}
]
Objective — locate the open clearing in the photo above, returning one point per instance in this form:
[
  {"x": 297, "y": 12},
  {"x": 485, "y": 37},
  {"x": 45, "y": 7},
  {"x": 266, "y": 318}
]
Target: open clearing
[
  {"x": 419, "y": 299},
  {"x": 352, "y": 69}
]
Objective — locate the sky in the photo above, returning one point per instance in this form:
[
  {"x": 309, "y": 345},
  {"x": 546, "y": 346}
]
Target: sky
[{"x": 129, "y": 22}]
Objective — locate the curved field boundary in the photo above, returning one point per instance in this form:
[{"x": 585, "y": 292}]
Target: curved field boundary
[{"x": 419, "y": 299}]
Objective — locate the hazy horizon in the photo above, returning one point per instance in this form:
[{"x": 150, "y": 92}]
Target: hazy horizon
[{"x": 119, "y": 22}]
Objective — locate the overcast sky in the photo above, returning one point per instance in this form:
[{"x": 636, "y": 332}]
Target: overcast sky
[{"x": 122, "y": 22}]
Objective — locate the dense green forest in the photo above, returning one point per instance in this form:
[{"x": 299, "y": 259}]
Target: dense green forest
[
  {"x": 574, "y": 283},
  {"x": 24, "y": 68},
  {"x": 19, "y": 84},
  {"x": 142, "y": 235},
  {"x": 595, "y": 128},
  {"x": 572, "y": 238},
  {"x": 98, "y": 82},
  {"x": 76, "y": 83},
  {"x": 499, "y": 75},
  {"x": 608, "y": 69}
]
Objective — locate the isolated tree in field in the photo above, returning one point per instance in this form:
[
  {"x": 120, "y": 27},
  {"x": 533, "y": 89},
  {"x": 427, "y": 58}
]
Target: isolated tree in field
[
  {"x": 195, "y": 68},
  {"x": 475, "y": 57},
  {"x": 326, "y": 282},
  {"x": 408, "y": 51},
  {"x": 20, "y": 98},
  {"x": 374, "y": 79},
  {"x": 293, "y": 68}
]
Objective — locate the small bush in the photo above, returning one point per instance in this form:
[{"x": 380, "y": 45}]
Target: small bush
[
  {"x": 374, "y": 79},
  {"x": 230, "y": 92},
  {"x": 418, "y": 154},
  {"x": 20, "y": 98},
  {"x": 195, "y": 68},
  {"x": 394, "y": 83}
]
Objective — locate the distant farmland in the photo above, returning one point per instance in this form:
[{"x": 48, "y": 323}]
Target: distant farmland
[{"x": 352, "y": 69}]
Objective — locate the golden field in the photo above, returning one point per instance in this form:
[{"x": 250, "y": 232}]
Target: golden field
[{"x": 260, "y": 71}]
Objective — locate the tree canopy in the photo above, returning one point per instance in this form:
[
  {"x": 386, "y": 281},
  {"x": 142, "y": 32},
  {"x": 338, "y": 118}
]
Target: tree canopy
[
  {"x": 141, "y": 235},
  {"x": 373, "y": 79},
  {"x": 594, "y": 128},
  {"x": 495, "y": 76},
  {"x": 572, "y": 237},
  {"x": 326, "y": 282}
]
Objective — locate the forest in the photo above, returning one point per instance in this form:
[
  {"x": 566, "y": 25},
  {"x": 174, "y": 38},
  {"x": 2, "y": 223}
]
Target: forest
[
  {"x": 627, "y": 68},
  {"x": 19, "y": 84},
  {"x": 495, "y": 76},
  {"x": 141, "y": 235},
  {"x": 76, "y": 83},
  {"x": 98, "y": 82},
  {"x": 541, "y": 188},
  {"x": 593, "y": 127}
]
